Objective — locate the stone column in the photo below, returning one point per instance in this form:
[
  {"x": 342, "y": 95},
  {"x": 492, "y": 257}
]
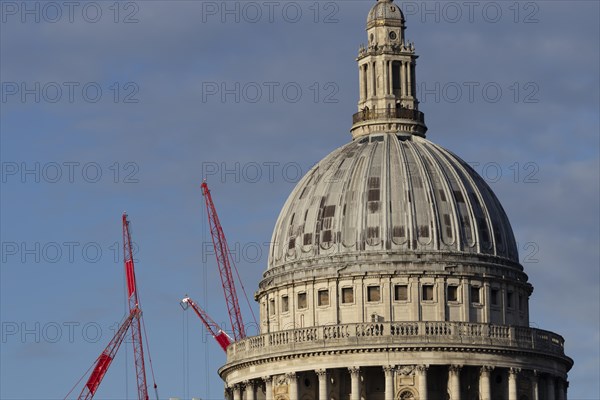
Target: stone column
[
  {"x": 422, "y": 370},
  {"x": 485, "y": 389},
  {"x": 322, "y": 375},
  {"x": 374, "y": 79},
  {"x": 355, "y": 377},
  {"x": 535, "y": 385},
  {"x": 454, "y": 381},
  {"x": 403, "y": 78},
  {"x": 249, "y": 390},
  {"x": 268, "y": 387},
  {"x": 560, "y": 389},
  {"x": 388, "y": 371},
  {"x": 409, "y": 80},
  {"x": 360, "y": 84},
  {"x": 292, "y": 385},
  {"x": 550, "y": 388},
  {"x": 513, "y": 374},
  {"x": 237, "y": 392}
]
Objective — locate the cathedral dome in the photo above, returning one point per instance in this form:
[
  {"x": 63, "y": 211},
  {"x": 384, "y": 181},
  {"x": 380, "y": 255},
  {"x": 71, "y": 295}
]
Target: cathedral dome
[
  {"x": 386, "y": 196},
  {"x": 385, "y": 11}
]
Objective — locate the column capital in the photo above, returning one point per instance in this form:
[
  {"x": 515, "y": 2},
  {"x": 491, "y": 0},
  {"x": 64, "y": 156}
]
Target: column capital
[
  {"x": 486, "y": 369},
  {"x": 321, "y": 372},
  {"x": 248, "y": 383},
  {"x": 267, "y": 378},
  {"x": 354, "y": 370},
  {"x": 388, "y": 369},
  {"x": 291, "y": 376},
  {"x": 422, "y": 368},
  {"x": 514, "y": 371},
  {"x": 454, "y": 369}
]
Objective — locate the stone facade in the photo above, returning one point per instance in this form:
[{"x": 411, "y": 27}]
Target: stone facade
[{"x": 393, "y": 271}]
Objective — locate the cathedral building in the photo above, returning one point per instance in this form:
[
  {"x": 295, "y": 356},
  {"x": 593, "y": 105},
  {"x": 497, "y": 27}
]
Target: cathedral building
[{"x": 393, "y": 270}]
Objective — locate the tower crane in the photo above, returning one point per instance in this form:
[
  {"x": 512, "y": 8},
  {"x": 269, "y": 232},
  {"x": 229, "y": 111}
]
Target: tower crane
[
  {"x": 133, "y": 321},
  {"x": 133, "y": 299},
  {"x": 220, "y": 335},
  {"x": 105, "y": 359},
  {"x": 224, "y": 264}
]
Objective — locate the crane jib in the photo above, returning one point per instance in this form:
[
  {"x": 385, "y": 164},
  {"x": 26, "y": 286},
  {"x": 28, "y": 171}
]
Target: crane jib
[{"x": 130, "y": 277}]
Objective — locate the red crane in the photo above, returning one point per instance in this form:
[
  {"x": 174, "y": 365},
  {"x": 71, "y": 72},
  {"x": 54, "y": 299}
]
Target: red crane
[
  {"x": 220, "y": 335},
  {"x": 133, "y": 321},
  {"x": 136, "y": 326},
  {"x": 223, "y": 261},
  {"x": 107, "y": 356}
]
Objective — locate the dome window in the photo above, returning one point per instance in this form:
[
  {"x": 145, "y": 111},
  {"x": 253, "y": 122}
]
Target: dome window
[
  {"x": 452, "y": 293},
  {"x": 347, "y": 295},
  {"x": 509, "y": 299},
  {"x": 285, "y": 303},
  {"x": 476, "y": 294},
  {"x": 401, "y": 293},
  {"x": 271, "y": 307},
  {"x": 307, "y": 239},
  {"x": 302, "y": 301},
  {"x": 374, "y": 293},
  {"x": 494, "y": 297},
  {"x": 323, "y": 297},
  {"x": 427, "y": 294}
]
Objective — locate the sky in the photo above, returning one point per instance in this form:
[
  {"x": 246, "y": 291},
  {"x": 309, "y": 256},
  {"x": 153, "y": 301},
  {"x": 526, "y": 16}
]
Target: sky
[{"x": 108, "y": 107}]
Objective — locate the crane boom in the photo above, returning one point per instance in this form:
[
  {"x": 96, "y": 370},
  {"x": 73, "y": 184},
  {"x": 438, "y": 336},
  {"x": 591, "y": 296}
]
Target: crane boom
[
  {"x": 220, "y": 335},
  {"x": 106, "y": 358},
  {"x": 223, "y": 262},
  {"x": 136, "y": 326}
]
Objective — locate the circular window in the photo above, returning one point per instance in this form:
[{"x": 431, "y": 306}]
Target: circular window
[{"x": 393, "y": 35}]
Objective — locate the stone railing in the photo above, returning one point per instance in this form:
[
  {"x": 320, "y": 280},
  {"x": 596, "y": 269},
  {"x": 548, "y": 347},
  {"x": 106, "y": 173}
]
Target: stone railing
[
  {"x": 402, "y": 113},
  {"x": 367, "y": 335}
]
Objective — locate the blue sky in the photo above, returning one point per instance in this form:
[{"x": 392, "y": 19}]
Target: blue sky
[{"x": 109, "y": 108}]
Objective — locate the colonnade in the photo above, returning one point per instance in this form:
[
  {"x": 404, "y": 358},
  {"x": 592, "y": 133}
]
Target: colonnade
[{"x": 556, "y": 387}]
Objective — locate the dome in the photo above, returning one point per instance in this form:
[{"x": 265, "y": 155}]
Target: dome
[
  {"x": 391, "y": 194},
  {"x": 385, "y": 10}
]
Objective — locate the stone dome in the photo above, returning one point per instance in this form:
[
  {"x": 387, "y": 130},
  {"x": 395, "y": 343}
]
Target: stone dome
[
  {"x": 387, "y": 195},
  {"x": 385, "y": 10}
]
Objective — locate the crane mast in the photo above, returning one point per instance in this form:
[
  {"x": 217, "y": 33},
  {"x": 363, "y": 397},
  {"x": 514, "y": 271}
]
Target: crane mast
[
  {"x": 136, "y": 326},
  {"x": 106, "y": 358},
  {"x": 220, "y": 336},
  {"x": 223, "y": 262}
]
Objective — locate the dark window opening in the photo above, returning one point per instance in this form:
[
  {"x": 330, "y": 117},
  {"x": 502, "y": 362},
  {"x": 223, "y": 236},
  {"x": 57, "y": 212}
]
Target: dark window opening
[
  {"x": 301, "y": 301},
  {"x": 347, "y": 295},
  {"x": 307, "y": 239},
  {"x": 459, "y": 196},
  {"x": 427, "y": 292},
  {"x": 373, "y": 293},
  {"x": 323, "y": 297},
  {"x": 442, "y": 194},
  {"x": 401, "y": 292},
  {"x": 373, "y": 232},
  {"x": 452, "y": 293},
  {"x": 509, "y": 299},
  {"x": 285, "y": 304},
  {"x": 494, "y": 297},
  {"x": 475, "y": 294},
  {"x": 398, "y": 231}
]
